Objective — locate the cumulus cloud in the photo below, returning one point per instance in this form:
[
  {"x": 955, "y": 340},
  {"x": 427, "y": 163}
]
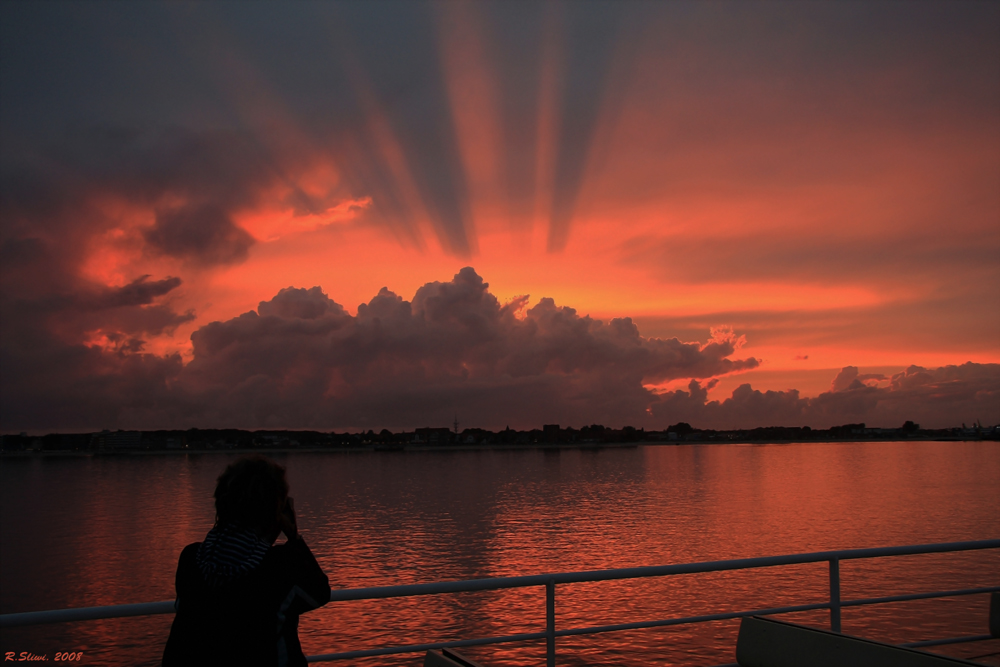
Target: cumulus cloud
[
  {"x": 850, "y": 378},
  {"x": 454, "y": 348},
  {"x": 300, "y": 360},
  {"x": 935, "y": 398}
]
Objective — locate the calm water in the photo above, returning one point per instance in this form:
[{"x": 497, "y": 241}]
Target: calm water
[{"x": 97, "y": 531}]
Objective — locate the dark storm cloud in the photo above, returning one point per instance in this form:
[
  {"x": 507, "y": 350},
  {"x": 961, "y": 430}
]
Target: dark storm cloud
[
  {"x": 204, "y": 234},
  {"x": 139, "y": 292},
  {"x": 79, "y": 309},
  {"x": 72, "y": 355},
  {"x": 47, "y": 223},
  {"x": 122, "y": 312},
  {"x": 54, "y": 386},
  {"x": 211, "y": 173},
  {"x": 72, "y": 351},
  {"x": 223, "y": 168},
  {"x": 61, "y": 327},
  {"x": 53, "y": 211}
]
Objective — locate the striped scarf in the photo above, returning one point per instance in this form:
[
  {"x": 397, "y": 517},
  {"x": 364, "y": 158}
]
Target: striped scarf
[{"x": 229, "y": 552}]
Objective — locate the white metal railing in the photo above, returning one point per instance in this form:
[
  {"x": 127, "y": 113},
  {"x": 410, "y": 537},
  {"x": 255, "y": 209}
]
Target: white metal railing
[{"x": 550, "y": 581}]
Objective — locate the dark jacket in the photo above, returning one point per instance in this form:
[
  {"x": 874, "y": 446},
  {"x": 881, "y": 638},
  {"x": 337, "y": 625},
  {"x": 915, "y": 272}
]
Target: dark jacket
[{"x": 251, "y": 620}]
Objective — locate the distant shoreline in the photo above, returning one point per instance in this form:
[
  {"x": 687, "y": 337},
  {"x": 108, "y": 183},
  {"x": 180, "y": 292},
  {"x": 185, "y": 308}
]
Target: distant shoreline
[{"x": 382, "y": 449}]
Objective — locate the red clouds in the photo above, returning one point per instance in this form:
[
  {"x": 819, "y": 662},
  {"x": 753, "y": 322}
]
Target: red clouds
[
  {"x": 454, "y": 348},
  {"x": 850, "y": 378},
  {"x": 302, "y": 361},
  {"x": 935, "y": 398},
  {"x": 205, "y": 235},
  {"x": 823, "y": 177}
]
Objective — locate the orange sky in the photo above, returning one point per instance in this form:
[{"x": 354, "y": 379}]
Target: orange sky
[
  {"x": 826, "y": 186},
  {"x": 652, "y": 184}
]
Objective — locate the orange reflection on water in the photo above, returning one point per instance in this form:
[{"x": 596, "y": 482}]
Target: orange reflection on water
[{"x": 93, "y": 531}]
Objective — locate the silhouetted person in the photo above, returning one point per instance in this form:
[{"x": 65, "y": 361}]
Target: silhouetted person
[{"x": 239, "y": 597}]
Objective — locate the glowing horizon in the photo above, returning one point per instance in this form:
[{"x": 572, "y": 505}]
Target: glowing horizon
[{"x": 830, "y": 192}]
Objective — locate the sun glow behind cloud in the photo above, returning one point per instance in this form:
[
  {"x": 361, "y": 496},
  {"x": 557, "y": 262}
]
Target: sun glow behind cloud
[{"x": 834, "y": 200}]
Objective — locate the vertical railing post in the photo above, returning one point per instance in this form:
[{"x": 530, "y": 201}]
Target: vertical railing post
[
  {"x": 835, "y": 594},
  {"x": 550, "y": 623}
]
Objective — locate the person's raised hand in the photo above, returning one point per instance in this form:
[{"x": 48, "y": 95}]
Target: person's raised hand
[{"x": 286, "y": 521}]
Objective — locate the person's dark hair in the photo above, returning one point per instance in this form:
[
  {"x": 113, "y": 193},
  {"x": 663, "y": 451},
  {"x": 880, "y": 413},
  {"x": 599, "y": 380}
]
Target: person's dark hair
[{"x": 250, "y": 492}]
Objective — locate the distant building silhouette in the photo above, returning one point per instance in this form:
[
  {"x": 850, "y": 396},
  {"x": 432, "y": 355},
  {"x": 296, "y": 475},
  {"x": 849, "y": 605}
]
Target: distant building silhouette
[
  {"x": 114, "y": 440},
  {"x": 433, "y": 435}
]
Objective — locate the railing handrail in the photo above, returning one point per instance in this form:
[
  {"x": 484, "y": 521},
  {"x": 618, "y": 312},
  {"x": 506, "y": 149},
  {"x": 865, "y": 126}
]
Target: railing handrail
[{"x": 496, "y": 583}]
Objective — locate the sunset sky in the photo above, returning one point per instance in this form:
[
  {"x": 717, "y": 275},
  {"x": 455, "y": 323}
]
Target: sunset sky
[{"x": 202, "y": 203}]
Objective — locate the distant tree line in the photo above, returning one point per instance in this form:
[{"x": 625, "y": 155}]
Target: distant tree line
[{"x": 551, "y": 434}]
